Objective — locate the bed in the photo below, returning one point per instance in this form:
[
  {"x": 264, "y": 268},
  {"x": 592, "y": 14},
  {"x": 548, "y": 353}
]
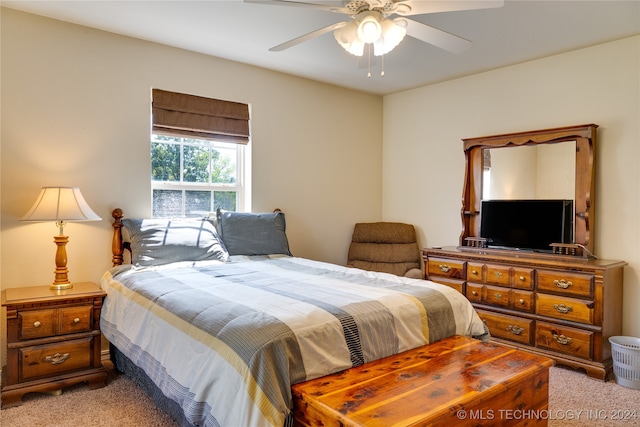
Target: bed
[{"x": 217, "y": 319}]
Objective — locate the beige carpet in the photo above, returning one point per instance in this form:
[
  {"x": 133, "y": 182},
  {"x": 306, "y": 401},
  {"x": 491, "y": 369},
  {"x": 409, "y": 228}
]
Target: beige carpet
[{"x": 574, "y": 400}]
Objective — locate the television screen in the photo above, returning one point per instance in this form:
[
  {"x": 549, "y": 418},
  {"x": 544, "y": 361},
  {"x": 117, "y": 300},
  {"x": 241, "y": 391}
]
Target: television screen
[{"x": 526, "y": 224}]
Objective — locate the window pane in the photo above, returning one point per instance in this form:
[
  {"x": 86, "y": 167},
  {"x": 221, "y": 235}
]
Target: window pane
[
  {"x": 165, "y": 162},
  {"x": 197, "y": 203},
  {"x": 225, "y": 200},
  {"x": 223, "y": 166},
  {"x": 196, "y": 164},
  {"x": 167, "y": 203}
]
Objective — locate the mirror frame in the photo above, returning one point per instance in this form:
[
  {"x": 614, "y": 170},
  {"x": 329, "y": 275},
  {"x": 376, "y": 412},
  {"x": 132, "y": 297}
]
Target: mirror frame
[{"x": 584, "y": 200}]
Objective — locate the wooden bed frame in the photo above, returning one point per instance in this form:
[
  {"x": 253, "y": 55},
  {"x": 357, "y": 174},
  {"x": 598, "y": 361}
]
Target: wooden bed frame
[
  {"x": 118, "y": 245},
  {"x": 457, "y": 380}
]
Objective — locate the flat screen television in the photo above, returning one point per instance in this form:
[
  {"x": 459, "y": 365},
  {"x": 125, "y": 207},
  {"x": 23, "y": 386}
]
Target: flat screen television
[{"x": 526, "y": 224}]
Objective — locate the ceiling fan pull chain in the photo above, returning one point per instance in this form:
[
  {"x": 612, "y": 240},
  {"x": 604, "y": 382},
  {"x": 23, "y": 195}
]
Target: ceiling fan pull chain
[
  {"x": 382, "y": 70},
  {"x": 369, "y": 59}
]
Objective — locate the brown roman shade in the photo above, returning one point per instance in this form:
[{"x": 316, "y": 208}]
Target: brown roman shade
[{"x": 191, "y": 116}]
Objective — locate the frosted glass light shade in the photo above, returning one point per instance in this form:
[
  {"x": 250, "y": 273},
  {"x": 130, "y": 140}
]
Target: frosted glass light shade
[
  {"x": 393, "y": 33},
  {"x": 347, "y": 37}
]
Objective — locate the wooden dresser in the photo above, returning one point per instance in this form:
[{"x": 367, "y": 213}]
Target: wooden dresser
[
  {"x": 562, "y": 307},
  {"x": 53, "y": 339}
]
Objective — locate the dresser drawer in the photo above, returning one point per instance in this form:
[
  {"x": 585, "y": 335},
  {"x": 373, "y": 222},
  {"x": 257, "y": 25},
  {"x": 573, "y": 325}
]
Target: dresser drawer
[
  {"x": 522, "y": 300},
  {"x": 46, "y": 360},
  {"x": 446, "y": 268},
  {"x": 475, "y": 272},
  {"x": 565, "y": 283},
  {"x": 508, "y": 327},
  {"x": 475, "y": 293},
  {"x": 564, "y": 308},
  {"x": 37, "y": 323},
  {"x": 523, "y": 278},
  {"x": 564, "y": 339},
  {"x": 458, "y": 285},
  {"x": 497, "y": 296},
  {"x": 497, "y": 274}
]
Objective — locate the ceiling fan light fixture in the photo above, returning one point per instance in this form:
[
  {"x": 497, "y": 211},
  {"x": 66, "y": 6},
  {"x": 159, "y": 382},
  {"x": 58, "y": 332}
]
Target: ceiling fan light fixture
[
  {"x": 347, "y": 37},
  {"x": 393, "y": 32}
]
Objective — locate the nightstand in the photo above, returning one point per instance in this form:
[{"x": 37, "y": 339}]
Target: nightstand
[{"x": 53, "y": 339}]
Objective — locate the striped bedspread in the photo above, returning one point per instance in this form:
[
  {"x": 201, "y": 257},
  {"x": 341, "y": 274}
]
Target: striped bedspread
[{"x": 226, "y": 340}]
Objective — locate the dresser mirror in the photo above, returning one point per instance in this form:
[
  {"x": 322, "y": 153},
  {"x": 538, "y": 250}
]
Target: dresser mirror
[
  {"x": 542, "y": 171},
  {"x": 543, "y": 164}
]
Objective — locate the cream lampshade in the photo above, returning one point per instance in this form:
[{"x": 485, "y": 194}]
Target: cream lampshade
[{"x": 60, "y": 204}]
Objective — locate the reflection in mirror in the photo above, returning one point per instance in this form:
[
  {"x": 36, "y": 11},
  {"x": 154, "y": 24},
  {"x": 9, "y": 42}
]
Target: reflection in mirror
[{"x": 543, "y": 171}]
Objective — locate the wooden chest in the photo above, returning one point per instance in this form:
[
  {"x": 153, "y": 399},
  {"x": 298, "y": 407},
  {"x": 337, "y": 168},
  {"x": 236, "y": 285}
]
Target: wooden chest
[{"x": 456, "y": 381}]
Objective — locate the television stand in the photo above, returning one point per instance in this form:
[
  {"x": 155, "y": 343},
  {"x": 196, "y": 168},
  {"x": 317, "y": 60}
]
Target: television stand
[{"x": 563, "y": 307}]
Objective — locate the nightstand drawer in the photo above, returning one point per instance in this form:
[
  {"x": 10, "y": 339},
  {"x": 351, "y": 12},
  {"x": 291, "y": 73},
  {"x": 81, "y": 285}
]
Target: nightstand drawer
[
  {"x": 50, "y": 322},
  {"x": 42, "y": 361},
  {"x": 75, "y": 319},
  {"x": 37, "y": 324}
]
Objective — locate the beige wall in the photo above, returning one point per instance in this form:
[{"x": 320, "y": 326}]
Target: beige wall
[
  {"x": 423, "y": 160},
  {"x": 76, "y": 110}
]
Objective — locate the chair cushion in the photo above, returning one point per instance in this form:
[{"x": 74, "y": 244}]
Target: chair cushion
[
  {"x": 389, "y": 247},
  {"x": 384, "y": 232}
]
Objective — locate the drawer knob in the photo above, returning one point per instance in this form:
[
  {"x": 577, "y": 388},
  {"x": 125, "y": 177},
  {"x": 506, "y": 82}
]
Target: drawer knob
[
  {"x": 562, "y": 284},
  {"x": 474, "y": 293},
  {"x": 444, "y": 268},
  {"x": 57, "y": 358},
  {"x": 522, "y": 279},
  {"x": 521, "y": 301},
  {"x": 561, "y": 339},
  {"x": 561, "y": 308},
  {"x": 76, "y": 320},
  {"x": 498, "y": 295},
  {"x": 474, "y": 272},
  {"x": 37, "y": 324},
  {"x": 516, "y": 330}
]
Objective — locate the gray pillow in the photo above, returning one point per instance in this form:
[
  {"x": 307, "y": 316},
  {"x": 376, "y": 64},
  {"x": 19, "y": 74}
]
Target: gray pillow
[
  {"x": 162, "y": 241},
  {"x": 245, "y": 233}
]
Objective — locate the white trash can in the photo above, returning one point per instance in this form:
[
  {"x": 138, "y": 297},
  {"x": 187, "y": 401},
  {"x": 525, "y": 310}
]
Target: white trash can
[{"x": 625, "y": 352}]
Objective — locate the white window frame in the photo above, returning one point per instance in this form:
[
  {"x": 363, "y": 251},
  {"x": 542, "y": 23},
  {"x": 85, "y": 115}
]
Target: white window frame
[{"x": 242, "y": 185}]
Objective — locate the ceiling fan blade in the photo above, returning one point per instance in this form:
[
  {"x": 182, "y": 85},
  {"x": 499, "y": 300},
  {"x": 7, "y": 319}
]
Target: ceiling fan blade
[
  {"x": 306, "y": 37},
  {"x": 436, "y": 37},
  {"x": 416, "y": 7},
  {"x": 327, "y": 7}
]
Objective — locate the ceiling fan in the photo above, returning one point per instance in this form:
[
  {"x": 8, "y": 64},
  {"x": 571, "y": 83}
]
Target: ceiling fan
[{"x": 373, "y": 23}]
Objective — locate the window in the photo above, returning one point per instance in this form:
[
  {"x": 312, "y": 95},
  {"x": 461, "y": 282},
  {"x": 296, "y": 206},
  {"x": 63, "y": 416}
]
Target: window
[
  {"x": 193, "y": 177},
  {"x": 200, "y": 159}
]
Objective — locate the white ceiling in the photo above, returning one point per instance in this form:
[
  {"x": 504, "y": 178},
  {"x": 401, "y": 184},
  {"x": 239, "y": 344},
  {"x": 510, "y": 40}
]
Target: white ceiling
[{"x": 517, "y": 32}]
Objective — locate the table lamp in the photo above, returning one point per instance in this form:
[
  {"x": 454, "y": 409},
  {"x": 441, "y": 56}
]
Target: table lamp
[{"x": 60, "y": 204}]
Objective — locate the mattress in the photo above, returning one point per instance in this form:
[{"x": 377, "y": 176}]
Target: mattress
[{"x": 226, "y": 340}]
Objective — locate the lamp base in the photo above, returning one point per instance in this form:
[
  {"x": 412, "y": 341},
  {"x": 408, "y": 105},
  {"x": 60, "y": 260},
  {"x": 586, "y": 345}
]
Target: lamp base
[
  {"x": 61, "y": 281},
  {"x": 60, "y": 286}
]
